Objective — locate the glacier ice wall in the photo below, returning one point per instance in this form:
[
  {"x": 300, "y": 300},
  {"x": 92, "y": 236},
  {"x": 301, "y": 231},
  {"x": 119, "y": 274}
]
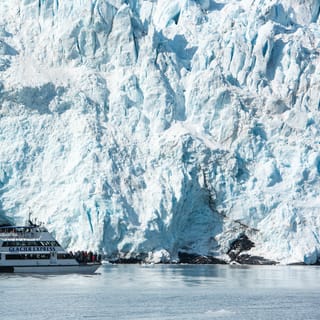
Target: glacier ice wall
[{"x": 153, "y": 127}]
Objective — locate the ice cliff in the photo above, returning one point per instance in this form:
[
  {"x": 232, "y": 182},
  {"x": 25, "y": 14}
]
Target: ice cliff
[{"x": 158, "y": 127}]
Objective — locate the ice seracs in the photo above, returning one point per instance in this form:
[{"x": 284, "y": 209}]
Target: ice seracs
[{"x": 157, "y": 127}]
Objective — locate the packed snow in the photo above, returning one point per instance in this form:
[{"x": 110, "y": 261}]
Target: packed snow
[{"x": 149, "y": 128}]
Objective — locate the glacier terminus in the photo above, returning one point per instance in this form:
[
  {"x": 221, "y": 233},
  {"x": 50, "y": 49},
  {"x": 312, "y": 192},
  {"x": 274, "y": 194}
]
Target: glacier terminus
[{"x": 153, "y": 129}]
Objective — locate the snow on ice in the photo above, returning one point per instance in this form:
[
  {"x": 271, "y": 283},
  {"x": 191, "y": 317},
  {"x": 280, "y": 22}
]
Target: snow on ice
[{"x": 149, "y": 128}]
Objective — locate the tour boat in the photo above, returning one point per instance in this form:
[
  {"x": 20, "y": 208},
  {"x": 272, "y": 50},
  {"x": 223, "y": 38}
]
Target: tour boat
[{"x": 32, "y": 249}]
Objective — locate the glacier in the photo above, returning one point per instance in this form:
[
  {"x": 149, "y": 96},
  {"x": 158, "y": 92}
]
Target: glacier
[{"x": 145, "y": 128}]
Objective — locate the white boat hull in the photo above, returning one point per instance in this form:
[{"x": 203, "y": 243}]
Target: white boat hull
[
  {"x": 53, "y": 269},
  {"x": 33, "y": 249}
]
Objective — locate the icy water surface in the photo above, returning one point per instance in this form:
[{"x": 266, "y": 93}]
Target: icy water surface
[{"x": 165, "y": 292}]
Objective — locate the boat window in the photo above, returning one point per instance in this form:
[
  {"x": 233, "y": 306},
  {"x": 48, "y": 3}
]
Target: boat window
[
  {"x": 65, "y": 256},
  {"x": 29, "y": 229},
  {"x": 30, "y": 244},
  {"x": 39, "y": 256}
]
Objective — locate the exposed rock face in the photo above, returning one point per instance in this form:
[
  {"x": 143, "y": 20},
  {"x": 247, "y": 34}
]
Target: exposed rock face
[
  {"x": 157, "y": 127},
  {"x": 198, "y": 259},
  {"x": 239, "y": 252},
  {"x": 237, "y": 246}
]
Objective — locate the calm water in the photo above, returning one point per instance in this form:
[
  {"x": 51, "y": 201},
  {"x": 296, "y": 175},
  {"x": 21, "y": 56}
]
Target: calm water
[{"x": 165, "y": 292}]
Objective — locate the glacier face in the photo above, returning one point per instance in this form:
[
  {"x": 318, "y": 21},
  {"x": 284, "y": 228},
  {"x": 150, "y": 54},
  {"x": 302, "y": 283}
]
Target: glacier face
[{"x": 153, "y": 127}]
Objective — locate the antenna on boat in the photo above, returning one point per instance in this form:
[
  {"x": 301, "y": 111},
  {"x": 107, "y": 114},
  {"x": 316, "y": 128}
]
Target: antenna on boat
[
  {"x": 30, "y": 220},
  {"x": 29, "y": 215}
]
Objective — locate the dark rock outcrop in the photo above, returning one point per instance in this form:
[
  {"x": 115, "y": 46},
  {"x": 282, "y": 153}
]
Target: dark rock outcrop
[
  {"x": 254, "y": 260},
  {"x": 243, "y": 243},
  {"x": 126, "y": 261},
  {"x": 193, "y": 258}
]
